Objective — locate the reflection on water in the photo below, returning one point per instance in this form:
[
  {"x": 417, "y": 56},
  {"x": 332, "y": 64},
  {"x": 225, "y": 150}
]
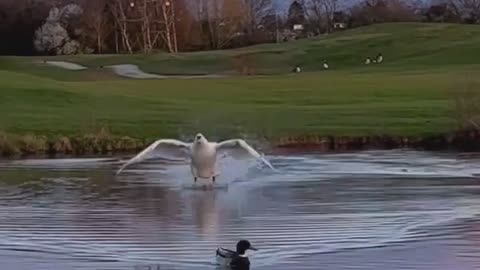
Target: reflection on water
[{"x": 368, "y": 210}]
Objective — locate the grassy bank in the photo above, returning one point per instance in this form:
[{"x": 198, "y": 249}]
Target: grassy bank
[
  {"x": 395, "y": 104},
  {"x": 335, "y": 104},
  {"x": 411, "y": 95}
]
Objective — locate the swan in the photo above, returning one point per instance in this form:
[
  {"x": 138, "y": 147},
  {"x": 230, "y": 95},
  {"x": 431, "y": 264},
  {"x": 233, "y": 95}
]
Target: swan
[{"x": 201, "y": 153}]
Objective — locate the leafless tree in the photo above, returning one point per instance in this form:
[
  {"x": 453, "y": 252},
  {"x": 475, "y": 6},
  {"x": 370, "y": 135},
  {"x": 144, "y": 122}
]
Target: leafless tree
[
  {"x": 143, "y": 24},
  {"x": 96, "y": 21},
  {"x": 321, "y": 13},
  {"x": 254, "y": 11},
  {"x": 380, "y": 11},
  {"x": 315, "y": 11},
  {"x": 118, "y": 10},
  {"x": 165, "y": 16},
  {"x": 220, "y": 21},
  {"x": 466, "y": 9},
  {"x": 330, "y": 7}
]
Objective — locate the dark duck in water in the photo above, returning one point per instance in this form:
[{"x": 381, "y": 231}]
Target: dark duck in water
[{"x": 237, "y": 260}]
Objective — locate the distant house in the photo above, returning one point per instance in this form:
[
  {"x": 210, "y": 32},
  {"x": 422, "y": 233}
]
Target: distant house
[
  {"x": 340, "y": 20},
  {"x": 296, "y": 16},
  {"x": 298, "y": 27},
  {"x": 339, "y": 25}
]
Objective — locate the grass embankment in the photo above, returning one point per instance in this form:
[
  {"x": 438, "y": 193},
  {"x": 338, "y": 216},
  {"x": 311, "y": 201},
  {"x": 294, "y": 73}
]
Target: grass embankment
[{"x": 412, "y": 94}]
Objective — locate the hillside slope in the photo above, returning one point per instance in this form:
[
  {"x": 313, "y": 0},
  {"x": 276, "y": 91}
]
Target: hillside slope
[{"x": 405, "y": 46}]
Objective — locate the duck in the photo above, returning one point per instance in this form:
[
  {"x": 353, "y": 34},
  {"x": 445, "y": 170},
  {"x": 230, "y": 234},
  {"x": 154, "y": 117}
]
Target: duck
[
  {"x": 297, "y": 69},
  {"x": 325, "y": 64},
  {"x": 379, "y": 58},
  {"x": 236, "y": 260}
]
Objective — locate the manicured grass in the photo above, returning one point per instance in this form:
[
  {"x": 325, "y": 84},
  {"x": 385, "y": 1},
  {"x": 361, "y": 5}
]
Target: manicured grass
[
  {"x": 335, "y": 104},
  {"x": 412, "y": 93}
]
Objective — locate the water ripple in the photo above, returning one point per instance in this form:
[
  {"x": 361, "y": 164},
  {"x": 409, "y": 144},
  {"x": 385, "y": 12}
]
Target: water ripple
[{"x": 75, "y": 213}]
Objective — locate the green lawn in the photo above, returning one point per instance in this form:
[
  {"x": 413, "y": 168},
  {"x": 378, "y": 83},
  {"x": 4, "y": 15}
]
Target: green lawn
[{"x": 412, "y": 93}]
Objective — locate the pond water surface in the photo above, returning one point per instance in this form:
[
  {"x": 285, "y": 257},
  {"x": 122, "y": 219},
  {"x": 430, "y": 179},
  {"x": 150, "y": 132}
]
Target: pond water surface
[{"x": 364, "y": 210}]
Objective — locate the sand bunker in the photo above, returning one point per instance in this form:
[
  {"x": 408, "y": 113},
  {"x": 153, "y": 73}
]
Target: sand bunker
[
  {"x": 134, "y": 72},
  {"x": 129, "y": 71},
  {"x": 66, "y": 65}
]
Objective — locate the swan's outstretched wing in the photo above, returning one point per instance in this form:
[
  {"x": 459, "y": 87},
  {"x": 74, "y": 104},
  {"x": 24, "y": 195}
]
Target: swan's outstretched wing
[
  {"x": 165, "y": 146},
  {"x": 238, "y": 147}
]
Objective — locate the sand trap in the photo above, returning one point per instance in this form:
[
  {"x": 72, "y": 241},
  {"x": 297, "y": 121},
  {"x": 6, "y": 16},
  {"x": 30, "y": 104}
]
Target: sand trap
[
  {"x": 66, "y": 65},
  {"x": 134, "y": 72},
  {"x": 129, "y": 71}
]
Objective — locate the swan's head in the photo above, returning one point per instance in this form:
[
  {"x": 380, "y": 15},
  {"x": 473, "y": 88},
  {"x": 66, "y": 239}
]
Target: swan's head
[{"x": 199, "y": 138}]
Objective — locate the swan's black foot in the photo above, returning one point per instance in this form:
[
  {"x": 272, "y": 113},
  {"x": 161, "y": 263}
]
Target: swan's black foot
[
  {"x": 195, "y": 179},
  {"x": 213, "y": 179}
]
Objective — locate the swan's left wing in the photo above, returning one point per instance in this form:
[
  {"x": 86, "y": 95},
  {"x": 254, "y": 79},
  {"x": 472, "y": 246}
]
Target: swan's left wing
[
  {"x": 240, "y": 147},
  {"x": 163, "y": 146}
]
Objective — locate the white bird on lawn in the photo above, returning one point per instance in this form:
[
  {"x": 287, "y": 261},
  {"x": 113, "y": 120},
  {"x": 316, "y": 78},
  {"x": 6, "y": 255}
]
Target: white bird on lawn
[{"x": 202, "y": 154}]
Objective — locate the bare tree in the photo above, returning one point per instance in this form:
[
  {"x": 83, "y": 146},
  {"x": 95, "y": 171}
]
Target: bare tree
[
  {"x": 330, "y": 7},
  {"x": 315, "y": 13},
  {"x": 321, "y": 13},
  {"x": 220, "y": 21},
  {"x": 118, "y": 10},
  {"x": 96, "y": 22},
  {"x": 169, "y": 22},
  {"x": 380, "y": 11},
  {"x": 466, "y": 10},
  {"x": 144, "y": 24},
  {"x": 185, "y": 24},
  {"x": 254, "y": 11}
]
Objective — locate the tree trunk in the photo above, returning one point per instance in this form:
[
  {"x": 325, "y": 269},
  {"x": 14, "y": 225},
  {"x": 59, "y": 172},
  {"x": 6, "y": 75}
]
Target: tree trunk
[
  {"x": 123, "y": 26},
  {"x": 99, "y": 42},
  {"x": 117, "y": 49},
  {"x": 168, "y": 38},
  {"x": 174, "y": 29}
]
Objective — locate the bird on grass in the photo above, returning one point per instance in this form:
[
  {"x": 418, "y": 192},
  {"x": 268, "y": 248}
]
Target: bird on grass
[
  {"x": 201, "y": 153},
  {"x": 236, "y": 260},
  {"x": 325, "y": 64},
  {"x": 297, "y": 69}
]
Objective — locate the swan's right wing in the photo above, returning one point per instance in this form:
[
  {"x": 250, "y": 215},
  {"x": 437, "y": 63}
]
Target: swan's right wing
[
  {"x": 165, "y": 146},
  {"x": 238, "y": 147}
]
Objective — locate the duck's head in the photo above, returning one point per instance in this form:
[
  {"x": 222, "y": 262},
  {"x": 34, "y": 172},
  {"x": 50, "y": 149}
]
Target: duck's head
[
  {"x": 243, "y": 245},
  {"x": 199, "y": 138}
]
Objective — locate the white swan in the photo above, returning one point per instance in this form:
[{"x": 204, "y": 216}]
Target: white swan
[{"x": 202, "y": 154}]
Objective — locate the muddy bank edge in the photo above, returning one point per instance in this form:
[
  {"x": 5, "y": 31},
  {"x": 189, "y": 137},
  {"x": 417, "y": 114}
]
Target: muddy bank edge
[{"x": 14, "y": 146}]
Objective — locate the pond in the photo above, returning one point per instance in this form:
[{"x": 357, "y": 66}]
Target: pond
[{"x": 359, "y": 210}]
